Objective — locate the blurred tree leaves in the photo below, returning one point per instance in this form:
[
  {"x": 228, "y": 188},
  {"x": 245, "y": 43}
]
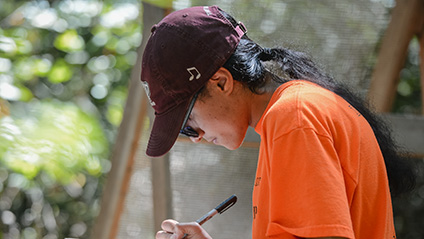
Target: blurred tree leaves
[
  {"x": 44, "y": 137},
  {"x": 408, "y": 98},
  {"x": 64, "y": 70},
  {"x": 69, "y": 41},
  {"x": 60, "y": 72},
  {"x": 160, "y": 3}
]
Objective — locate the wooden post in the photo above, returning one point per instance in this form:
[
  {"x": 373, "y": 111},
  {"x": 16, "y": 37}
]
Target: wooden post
[
  {"x": 162, "y": 192},
  {"x": 407, "y": 21},
  {"x": 123, "y": 156},
  {"x": 118, "y": 178},
  {"x": 161, "y": 176},
  {"x": 126, "y": 146}
]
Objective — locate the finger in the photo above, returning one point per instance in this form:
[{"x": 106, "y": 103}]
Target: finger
[
  {"x": 169, "y": 225},
  {"x": 192, "y": 229},
  {"x": 175, "y": 230},
  {"x": 172, "y": 229},
  {"x": 163, "y": 235}
]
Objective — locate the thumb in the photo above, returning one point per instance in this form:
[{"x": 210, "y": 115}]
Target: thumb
[{"x": 171, "y": 227}]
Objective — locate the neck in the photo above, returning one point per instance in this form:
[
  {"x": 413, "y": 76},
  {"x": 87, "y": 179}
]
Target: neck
[{"x": 259, "y": 104}]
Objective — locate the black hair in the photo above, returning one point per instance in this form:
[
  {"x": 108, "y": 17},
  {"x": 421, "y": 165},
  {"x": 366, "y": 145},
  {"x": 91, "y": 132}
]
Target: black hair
[{"x": 246, "y": 65}]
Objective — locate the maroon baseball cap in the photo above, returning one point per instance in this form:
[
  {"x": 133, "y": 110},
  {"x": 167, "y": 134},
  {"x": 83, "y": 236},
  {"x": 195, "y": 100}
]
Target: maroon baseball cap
[{"x": 183, "y": 52}]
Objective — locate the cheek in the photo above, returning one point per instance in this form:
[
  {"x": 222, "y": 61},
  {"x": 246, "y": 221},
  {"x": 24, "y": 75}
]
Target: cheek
[{"x": 220, "y": 121}]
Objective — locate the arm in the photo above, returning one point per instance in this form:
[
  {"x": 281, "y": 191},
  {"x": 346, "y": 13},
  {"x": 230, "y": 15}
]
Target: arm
[{"x": 172, "y": 229}]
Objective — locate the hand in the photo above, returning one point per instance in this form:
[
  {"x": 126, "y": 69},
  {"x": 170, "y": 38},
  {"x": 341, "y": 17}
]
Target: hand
[{"x": 172, "y": 229}]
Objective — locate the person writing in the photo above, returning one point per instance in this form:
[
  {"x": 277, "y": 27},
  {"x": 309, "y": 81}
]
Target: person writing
[{"x": 327, "y": 165}]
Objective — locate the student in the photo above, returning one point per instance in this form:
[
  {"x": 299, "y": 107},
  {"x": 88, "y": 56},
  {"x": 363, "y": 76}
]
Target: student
[{"x": 327, "y": 165}]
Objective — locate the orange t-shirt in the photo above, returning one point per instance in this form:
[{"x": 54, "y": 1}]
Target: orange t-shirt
[{"x": 320, "y": 171}]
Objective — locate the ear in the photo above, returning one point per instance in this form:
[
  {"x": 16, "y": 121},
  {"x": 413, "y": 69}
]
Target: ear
[{"x": 222, "y": 81}]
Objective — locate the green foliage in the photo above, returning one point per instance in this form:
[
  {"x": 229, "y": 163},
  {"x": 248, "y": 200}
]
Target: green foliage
[
  {"x": 60, "y": 72},
  {"x": 408, "y": 98},
  {"x": 69, "y": 41},
  {"x": 42, "y": 208},
  {"x": 160, "y": 3},
  {"x": 55, "y": 137},
  {"x": 64, "y": 70}
]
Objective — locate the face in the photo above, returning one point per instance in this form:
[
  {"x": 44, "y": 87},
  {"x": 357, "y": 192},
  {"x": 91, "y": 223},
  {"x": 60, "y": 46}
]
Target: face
[{"x": 218, "y": 117}]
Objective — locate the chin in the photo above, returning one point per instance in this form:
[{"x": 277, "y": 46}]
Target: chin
[
  {"x": 231, "y": 141},
  {"x": 233, "y": 146}
]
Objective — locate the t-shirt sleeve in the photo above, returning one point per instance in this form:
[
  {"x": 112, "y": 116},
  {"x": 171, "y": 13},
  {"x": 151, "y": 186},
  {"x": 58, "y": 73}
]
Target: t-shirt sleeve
[{"x": 308, "y": 196}]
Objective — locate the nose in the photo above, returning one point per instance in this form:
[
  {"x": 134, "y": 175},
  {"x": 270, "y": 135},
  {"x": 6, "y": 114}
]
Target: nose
[{"x": 198, "y": 138}]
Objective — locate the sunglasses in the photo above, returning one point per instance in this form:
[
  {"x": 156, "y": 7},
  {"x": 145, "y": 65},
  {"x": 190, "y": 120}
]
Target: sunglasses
[{"x": 187, "y": 130}]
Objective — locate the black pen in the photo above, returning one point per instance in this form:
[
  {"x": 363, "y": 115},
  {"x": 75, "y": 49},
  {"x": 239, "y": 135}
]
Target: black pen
[{"x": 224, "y": 206}]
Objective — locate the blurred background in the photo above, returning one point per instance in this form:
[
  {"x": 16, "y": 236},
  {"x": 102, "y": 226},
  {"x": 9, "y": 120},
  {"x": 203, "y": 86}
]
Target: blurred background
[
  {"x": 65, "y": 67},
  {"x": 64, "y": 70}
]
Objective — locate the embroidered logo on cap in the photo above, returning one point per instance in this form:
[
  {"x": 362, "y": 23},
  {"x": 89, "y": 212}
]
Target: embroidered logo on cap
[
  {"x": 206, "y": 9},
  {"x": 192, "y": 71},
  {"x": 147, "y": 89}
]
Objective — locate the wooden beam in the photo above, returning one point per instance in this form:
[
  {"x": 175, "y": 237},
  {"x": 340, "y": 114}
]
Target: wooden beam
[
  {"x": 405, "y": 23},
  {"x": 162, "y": 192},
  {"x": 123, "y": 156},
  {"x": 161, "y": 176}
]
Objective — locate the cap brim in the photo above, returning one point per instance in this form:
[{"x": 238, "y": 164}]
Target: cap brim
[{"x": 165, "y": 130}]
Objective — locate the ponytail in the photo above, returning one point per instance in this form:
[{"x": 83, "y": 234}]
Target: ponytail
[
  {"x": 296, "y": 65},
  {"x": 247, "y": 65}
]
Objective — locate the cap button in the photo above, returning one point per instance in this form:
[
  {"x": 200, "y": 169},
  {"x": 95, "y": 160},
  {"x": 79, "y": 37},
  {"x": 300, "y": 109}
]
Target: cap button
[{"x": 185, "y": 15}]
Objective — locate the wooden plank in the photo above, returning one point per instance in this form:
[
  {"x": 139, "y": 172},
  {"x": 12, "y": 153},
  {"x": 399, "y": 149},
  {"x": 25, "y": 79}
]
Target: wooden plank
[
  {"x": 405, "y": 23},
  {"x": 162, "y": 192},
  {"x": 117, "y": 183},
  {"x": 161, "y": 179},
  {"x": 122, "y": 160}
]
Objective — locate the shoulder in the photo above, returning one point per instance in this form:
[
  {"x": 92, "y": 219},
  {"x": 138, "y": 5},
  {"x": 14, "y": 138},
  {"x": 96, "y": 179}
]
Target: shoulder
[
  {"x": 302, "y": 97},
  {"x": 302, "y": 104}
]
